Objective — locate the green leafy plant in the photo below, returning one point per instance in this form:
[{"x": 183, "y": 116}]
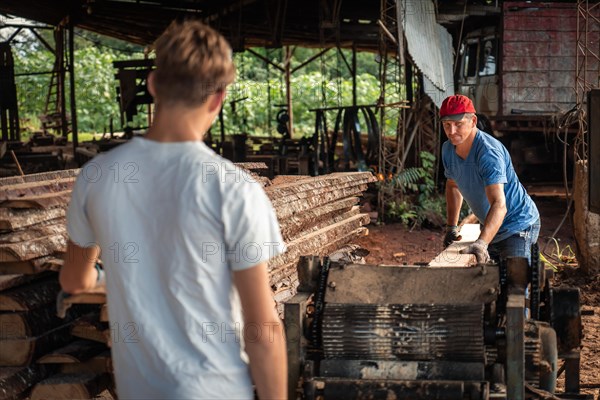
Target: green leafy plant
[{"x": 418, "y": 200}]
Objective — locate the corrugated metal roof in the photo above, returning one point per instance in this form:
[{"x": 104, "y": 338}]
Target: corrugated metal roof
[{"x": 436, "y": 94}]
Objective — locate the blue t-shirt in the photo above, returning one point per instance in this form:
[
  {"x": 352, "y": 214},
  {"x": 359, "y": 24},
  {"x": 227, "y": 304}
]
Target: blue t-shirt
[{"x": 489, "y": 163}]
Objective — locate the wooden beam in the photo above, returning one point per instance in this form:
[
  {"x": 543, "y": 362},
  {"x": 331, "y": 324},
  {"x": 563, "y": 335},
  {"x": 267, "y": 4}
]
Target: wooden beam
[
  {"x": 14, "y": 219},
  {"x": 29, "y": 297},
  {"x": 35, "y": 248},
  {"x": 23, "y": 351},
  {"x": 44, "y": 201},
  {"x": 71, "y": 386},
  {"x": 73, "y": 353}
]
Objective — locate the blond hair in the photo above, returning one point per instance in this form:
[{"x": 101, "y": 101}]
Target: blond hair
[{"x": 192, "y": 62}]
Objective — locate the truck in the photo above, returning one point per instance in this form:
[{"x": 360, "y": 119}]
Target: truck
[{"x": 521, "y": 73}]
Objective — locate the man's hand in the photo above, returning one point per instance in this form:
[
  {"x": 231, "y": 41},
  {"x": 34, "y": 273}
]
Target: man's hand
[
  {"x": 479, "y": 248},
  {"x": 451, "y": 235}
]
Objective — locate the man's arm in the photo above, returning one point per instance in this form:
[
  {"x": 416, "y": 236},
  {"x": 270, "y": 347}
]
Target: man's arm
[
  {"x": 454, "y": 202},
  {"x": 496, "y": 214},
  {"x": 78, "y": 274},
  {"x": 268, "y": 357}
]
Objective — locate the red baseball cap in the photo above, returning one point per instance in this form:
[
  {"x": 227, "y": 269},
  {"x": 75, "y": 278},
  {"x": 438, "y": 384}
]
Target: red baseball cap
[{"x": 455, "y": 107}]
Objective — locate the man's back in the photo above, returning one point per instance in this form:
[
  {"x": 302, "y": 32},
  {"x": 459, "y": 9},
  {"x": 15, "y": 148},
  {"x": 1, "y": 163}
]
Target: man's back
[{"x": 173, "y": 221}]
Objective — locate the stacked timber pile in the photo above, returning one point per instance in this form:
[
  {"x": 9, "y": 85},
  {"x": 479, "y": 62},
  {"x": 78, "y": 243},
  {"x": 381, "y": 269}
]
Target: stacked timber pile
[
  {"x": 42, "y": 356},
  {"x": 317, "y": 216},
  {"x": 34, "y": 342}
]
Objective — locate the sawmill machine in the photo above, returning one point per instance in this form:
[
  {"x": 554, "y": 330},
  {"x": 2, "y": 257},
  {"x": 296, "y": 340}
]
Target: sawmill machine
[{"x": 358, "y": 331}]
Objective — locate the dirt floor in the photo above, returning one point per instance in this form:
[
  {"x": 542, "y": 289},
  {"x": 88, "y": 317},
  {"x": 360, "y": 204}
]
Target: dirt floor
[{"x": 395, "y": 244}]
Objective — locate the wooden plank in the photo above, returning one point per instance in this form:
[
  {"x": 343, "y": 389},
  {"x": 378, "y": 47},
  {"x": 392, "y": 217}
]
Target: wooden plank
[
  {"x": 538, "y": 94},
  {"x": 538, "y": 64},
  {"x": 99, "y": 364},
  {"x": 451, "y": 257},
  {"x": 31, "y": 267},
  {"x": 35, "y": 248},
  {"x": 322, "y": 223},
  {"x": 23, "y": 351},
  {"x": 96, "y": 295},
  {"x": 33, "y": 323},
  {"x": 71, "y": 386},
  {"x": 557, "y": 23},
  {"x": 89, "y": 329},
  {"x": 320, "y": 239},
  {"x": 562, "y": 48},
  {"x": 308, "y": 188},
  {"x": 15, "y": 381},
  {"x": 43, "y": 201},
  {"x": 42, "y": 176},
  {"x": 74, "y": 352},
  {"x": 14, "y": 219},
  {"x": 532, "y": 79},
  {"x": 285, "y": 210},
  {"x": 52, "y": 227},
  {"x": 15, "y": 280},
  {"x": 29, "y": 297},
  {"x": 36, "y": 188},
  {"x": 298, "y": 222},
  {"x": 104, "y": 313}
]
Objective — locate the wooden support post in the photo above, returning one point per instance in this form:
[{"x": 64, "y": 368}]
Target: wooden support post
[
  {"x": 72, "y": 88},
  {"x": 288, "y": 88},
  {"x": 353, "y": 74}
]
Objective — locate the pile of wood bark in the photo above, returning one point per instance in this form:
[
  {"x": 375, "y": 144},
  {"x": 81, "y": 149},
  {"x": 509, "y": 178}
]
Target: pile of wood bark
[{"x": 43, "y": 356}]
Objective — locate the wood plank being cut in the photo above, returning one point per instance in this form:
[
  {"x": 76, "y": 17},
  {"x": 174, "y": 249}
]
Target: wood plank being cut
[
  {"x": 71, "y": 386},
  {"x": 451, "y": 257},
  {"x": 96, "y": 295},
  {"x": 99, "y": 364},
  {"x": 90, "y": 329}
]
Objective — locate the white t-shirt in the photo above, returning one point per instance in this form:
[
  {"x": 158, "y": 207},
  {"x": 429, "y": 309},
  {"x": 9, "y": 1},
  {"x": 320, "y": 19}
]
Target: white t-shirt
[{"x": 173, "y": 221}]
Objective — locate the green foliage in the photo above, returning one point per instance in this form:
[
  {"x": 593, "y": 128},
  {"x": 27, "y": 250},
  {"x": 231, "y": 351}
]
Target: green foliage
[
  {"x": 418, "y": 201},
  {"x": 325, "y": 82}
]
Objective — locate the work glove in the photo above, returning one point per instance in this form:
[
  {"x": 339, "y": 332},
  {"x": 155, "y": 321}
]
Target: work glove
[
  {"x": 479, "y": 248},
  {"x": 451, "y": 235}
]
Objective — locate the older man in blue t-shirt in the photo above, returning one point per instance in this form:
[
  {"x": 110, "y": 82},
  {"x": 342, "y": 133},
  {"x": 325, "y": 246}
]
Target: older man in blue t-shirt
[{"x": 478, "y": 168}]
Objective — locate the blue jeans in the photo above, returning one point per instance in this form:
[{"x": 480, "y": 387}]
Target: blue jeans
[{"x": 517, "y": 245}]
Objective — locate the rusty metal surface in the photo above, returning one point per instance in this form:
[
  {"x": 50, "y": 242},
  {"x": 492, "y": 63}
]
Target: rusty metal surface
[
  {"x": 403, "y": 332},
  {"x": 388, "y": 389},
  {"x": 403, "y": 370},
  {"x": 566, "y": 318},
  {"x": 369, "y": 284},
  {"x": 515, "y": 347}
]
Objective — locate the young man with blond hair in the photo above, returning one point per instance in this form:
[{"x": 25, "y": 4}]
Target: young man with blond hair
[{"x": 185, "y": 239}]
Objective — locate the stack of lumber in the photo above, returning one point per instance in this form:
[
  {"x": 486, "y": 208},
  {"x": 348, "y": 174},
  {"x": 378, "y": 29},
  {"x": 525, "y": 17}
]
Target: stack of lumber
[
  {"x": 42, "y": 356},
  {"x": 317, "y": 216},
  {"x": 33, "y": 240}
]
